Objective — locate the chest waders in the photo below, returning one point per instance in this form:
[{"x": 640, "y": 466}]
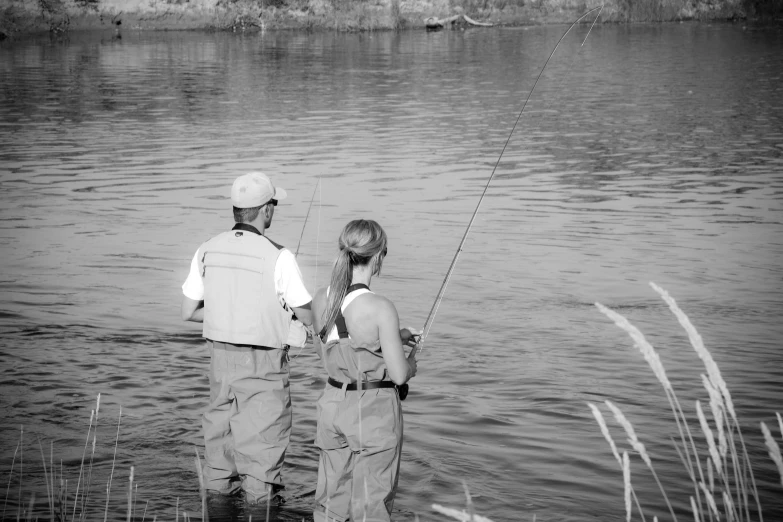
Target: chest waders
[
  {"x": 342, "y": 333},
  {"x": 359, "y": 432},
  {"x": 247, "y": 425}
]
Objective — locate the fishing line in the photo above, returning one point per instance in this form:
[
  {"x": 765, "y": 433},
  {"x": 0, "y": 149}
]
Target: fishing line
[
  {"x": 439, "y": 297},
  {"x": 317, "y": 183},
  {"x": 318, "y": 233},
  {"x": 304, "y": 225}
]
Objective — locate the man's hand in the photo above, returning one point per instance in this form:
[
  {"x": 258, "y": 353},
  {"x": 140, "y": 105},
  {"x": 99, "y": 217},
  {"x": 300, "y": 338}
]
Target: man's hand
[{"x": 192, "y": 310}]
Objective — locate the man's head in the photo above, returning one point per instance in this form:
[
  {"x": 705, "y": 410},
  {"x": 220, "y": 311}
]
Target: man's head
[{"x": 252, "y": 193}]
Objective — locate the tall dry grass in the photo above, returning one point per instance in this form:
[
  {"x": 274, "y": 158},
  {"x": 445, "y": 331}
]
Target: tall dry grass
[
  {"x": 720, "y": 470},
  {"x": 61, "y": 503},
  {"x": 66, "y": 502}
]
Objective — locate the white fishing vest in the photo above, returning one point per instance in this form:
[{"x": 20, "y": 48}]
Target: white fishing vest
[{"x": 241, "y": 305}]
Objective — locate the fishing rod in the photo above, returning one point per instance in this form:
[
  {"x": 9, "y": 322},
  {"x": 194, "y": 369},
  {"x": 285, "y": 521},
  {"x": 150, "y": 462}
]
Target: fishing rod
[
  {"x": 439, "y": 297},
  {"x": 296, "y": 254}
]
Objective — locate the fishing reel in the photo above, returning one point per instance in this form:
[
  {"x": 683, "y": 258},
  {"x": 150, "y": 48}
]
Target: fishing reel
[{"x": 402, "y": 390}]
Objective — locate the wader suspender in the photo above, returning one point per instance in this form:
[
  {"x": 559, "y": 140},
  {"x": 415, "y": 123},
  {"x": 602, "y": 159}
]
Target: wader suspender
[{"x": 342, "y": 330}]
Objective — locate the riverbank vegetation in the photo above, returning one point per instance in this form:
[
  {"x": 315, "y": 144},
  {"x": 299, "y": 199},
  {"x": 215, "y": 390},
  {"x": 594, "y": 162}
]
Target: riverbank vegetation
[{"x": 59, "y": 16}]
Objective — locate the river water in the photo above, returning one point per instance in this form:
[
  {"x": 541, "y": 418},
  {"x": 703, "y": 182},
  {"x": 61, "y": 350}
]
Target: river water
[{"x": 650, "y": 153}]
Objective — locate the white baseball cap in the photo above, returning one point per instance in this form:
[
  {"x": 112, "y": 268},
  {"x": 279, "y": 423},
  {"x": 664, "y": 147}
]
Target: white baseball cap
[{"x": 253, "y": 190}]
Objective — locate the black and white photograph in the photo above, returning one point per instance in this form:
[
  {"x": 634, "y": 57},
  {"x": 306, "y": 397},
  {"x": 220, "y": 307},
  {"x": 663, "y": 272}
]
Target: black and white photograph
[{"x": 391, "y": 260}]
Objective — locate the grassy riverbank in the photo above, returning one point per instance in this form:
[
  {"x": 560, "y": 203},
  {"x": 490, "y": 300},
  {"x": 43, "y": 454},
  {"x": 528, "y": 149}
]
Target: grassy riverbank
[{"x": 59, "y": 16}]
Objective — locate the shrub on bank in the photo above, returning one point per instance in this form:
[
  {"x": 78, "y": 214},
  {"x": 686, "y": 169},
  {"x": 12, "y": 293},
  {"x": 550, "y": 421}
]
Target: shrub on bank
[{"x": 58, "y": 16}]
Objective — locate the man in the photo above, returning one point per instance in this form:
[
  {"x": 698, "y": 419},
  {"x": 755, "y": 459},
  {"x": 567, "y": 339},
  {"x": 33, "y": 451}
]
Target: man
[{"x": 245, "y": 288}]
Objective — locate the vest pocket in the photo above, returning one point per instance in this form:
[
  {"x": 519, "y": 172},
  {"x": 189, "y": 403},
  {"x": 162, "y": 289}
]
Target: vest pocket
[{"x": 233, "y": 261}]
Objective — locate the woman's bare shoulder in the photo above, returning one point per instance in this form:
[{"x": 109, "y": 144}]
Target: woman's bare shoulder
[{"x": 380, "y": 304}]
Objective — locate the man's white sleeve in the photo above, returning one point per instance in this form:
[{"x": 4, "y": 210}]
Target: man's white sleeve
[
  {"x": 288, "y": 281},
  {"x": 193, "y": 287}
]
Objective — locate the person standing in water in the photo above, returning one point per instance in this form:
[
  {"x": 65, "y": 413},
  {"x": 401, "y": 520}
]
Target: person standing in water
[
  {"x": 359, "y": 430},
  {"x": 245, "y": 288}
]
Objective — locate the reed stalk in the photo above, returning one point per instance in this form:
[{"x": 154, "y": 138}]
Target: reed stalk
[
  {"x": 456, "y": 514},
  {"x": 88, "y": 485},
  {"x": 695, "y": 511},
  {"x": 627, "y": 485},
  {"x": 711, "y": 447},
  {"x": 135, "y": 499},
  {"x": 114, "y": 460},
  {"x": 54, "y": 471},
  {"x": 468, "y": 500},
  {"x": 637, "y": 445},
  {"x": 10, "y": 476},
  {"x": 710, "y": 500},
  {"x": 774, "y": 449},
  {"x": 698, "y": 345},
  {"x": 730, "y": 511},
  {"x": 715, "y": 456},
  {"x": 21, "y": 467},
  {"x": 605, "y": 430},
  {"x": 64, "y": 496},
  {"x": 130, "y": 496},
  {"x": 268, "y": 501},
  {"x": 748, "y": 469},
  {"x": 716, "y": 407},
  {"x": 49, "y": 494},
  {"x": 81, "y": 467},
  {"x": 201, "y": 487},
  {"x": 466, "y": 515},
  {"x": 29, "y": 507},
  {"x": 683, "y": 420}
]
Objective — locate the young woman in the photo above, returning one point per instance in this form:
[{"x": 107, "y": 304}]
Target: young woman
[{"x": 359, "y": 415}]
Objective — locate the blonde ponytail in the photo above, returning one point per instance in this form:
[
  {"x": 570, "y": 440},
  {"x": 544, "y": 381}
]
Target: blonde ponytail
[{"x": 360, "y": 242}]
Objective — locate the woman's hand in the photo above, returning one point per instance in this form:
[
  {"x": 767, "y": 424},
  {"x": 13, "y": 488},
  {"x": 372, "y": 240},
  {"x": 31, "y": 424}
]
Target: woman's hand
[
  {"x": 413, "y": 366},
  {"x": 410, "y": 337}
]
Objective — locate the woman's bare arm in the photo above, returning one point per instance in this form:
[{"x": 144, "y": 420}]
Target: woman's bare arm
[{"x": 400, "y": 368}]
